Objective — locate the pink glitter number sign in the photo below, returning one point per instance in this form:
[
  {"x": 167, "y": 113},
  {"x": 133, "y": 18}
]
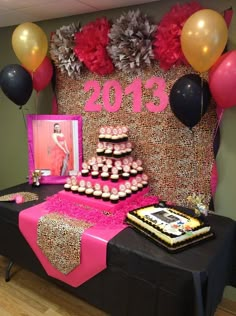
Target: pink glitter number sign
[
  {"x": 136, "y": 88},
  {"x": 112, "y": 84},
  {"x": 158, "y": 92},
  {"x": 90, "y": 105},
  {"x": 157, "y": 84}
]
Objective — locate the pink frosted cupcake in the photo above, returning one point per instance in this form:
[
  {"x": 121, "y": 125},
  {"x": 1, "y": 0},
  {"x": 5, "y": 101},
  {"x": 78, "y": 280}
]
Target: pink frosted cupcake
[
  {"x": 89, "y": 189},
  {"x": 114, "y": 197},
  {"x": 128, "y": 190},
  {"x": 97, "y": 193},
  {"x": 106, "y": 193},
  {"x": 122, "y": 193},
  {"x": 144, "y": 180},
  {"x": 105, "y": 173},
  {"x": 114, "y": 174},
  {"x": 67, "y": 185},
  {"x": 95, "y": 172}
]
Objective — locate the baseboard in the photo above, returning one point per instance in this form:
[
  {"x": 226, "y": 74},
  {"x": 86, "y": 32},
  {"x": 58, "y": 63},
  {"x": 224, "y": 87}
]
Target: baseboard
[{"x": 228, "y": 306}]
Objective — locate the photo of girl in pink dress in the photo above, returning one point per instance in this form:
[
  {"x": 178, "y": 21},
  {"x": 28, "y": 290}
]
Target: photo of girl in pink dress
[{"x": 59, "y": 153}]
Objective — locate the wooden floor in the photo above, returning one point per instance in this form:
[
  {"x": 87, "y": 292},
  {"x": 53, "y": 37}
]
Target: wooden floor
[{"x": 28, "y": 295}]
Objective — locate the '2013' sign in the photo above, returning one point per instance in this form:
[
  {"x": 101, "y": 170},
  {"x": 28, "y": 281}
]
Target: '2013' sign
[{"x": 157, "y": 85}]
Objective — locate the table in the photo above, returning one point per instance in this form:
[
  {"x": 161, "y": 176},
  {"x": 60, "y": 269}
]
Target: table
[{"x": 141, "y": 278}]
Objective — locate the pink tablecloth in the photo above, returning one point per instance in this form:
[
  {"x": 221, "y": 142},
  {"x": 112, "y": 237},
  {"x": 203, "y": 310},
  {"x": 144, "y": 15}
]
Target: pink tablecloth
[
  {"x": 94, "y": 239},
  {"x": 93, "y": 247}
]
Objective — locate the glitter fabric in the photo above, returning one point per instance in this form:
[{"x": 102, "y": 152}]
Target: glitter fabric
[
  {"x": 19, "y": 197},
  {"x": 59, "y": 238},
  {"x": 178, "y": 161}
]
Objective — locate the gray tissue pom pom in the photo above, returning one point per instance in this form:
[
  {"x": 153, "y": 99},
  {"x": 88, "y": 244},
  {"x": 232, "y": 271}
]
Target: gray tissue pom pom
[
  {"x": 62, "y": 50},
  {"x": 130, "y": 45}
]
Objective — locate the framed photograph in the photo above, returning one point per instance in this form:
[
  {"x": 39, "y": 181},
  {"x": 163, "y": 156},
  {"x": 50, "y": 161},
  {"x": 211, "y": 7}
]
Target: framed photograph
[{"x": 54, "y": 147}]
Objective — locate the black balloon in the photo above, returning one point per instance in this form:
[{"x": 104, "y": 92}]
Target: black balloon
[
  {"x": 16, "y": 83},
  {"x": 189, "y": 99}
]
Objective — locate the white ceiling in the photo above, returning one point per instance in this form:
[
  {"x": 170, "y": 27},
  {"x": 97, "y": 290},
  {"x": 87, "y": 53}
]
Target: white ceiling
[{"x": 14, "y": 12}]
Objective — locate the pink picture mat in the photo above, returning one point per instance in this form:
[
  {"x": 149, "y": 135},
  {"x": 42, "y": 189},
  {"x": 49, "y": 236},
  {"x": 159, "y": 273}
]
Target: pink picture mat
[{"x": 42, "y": 151}]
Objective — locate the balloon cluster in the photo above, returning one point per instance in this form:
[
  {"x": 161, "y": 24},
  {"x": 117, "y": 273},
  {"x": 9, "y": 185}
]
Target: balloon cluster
[
  {"x": 30, "y": 45},
  {"x": 203, "y": 40}
]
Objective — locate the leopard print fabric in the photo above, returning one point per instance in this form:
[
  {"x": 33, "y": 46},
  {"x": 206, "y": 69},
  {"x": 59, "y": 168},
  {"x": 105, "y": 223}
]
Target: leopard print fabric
[{"x": 59, "y": 238}]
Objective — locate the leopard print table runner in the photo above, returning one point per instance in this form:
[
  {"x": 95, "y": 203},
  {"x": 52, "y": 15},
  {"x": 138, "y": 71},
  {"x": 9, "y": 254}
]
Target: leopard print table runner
[{"x": 59, "y": 238}]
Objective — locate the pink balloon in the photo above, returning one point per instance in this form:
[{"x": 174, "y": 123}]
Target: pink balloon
[
  {"x": 222, "y": 80},
  {"x": 42, "y": 75}
]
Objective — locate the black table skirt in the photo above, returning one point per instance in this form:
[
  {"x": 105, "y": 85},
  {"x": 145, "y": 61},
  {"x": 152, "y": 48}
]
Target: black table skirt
[{"x": 141, "y": 278}]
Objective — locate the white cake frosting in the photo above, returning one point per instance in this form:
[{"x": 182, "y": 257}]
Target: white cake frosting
[{"x": 168, "y": 224}]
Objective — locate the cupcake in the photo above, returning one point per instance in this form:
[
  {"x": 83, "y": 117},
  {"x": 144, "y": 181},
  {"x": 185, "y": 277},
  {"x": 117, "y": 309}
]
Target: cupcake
[
  {"x": 122, "y": 193},
  {"x": 133, "y": 172},
  {"x": 81, "y": 190},
  {"x": 101, "y": 136},
  {"x": 140, "y": 169},
  {"x": 106, "y": 196},
  {"x": 117, "y": 151},
  {"x": 134, "y": 166},
  {"x": 128, "y": 148},
  {"x": 114, "y": 176},
  {"x": 67, "y": 185},
  {"x": 74, "y": 185},
  {"x": 85, "y": 169},
  {"x": 106, "y": 193},
  {"x": 84, "y": 172},
  {"x": 74, "y": 188},
  {"x": 97, "y": 193},
  {"x": 139, "y": 166},
  {"x": 144, "y": 180},
  {"x": 118, "y": 165},
  {"x": 108, "y": 134},
  {"x": 126, "y": 172},
  {"x": 139, "y": 183},
  {"x": 123, "y": 150},
  {"x": 128, "y": 190},
  {"x": 134, "y": 186},
  {"x": 89, "y": 189},
  {"x": 114, "y": 136},
  {"x": 114, "y": 197},
  {"x": 99, "y": 163},
  {"x": 89, "y": 192},
  {"x": 105, "y": 173},
  {"x": 124, "y": 133},
  {"x": 109, "y": 164},
  {"x": 100, "y": 150},
  {"x": 95, "y": 172}
]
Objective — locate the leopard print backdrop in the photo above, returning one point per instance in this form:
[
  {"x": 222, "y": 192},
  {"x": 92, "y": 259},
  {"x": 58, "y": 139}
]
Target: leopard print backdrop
[{"x": 177, "y": 160}]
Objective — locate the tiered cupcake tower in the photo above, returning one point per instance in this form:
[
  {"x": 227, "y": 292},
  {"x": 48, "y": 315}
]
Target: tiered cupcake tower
[{"x": 113, "y": 175}]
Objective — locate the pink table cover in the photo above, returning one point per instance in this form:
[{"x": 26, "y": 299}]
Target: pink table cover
[
  {"x": 93, "y": 247},
  {"x": 94, "y": 239}
]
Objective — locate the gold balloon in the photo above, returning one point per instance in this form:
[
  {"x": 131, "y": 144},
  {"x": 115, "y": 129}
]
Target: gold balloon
[
  {"x": 30, "y": 45},
  {"x": 203, "y": 39}
]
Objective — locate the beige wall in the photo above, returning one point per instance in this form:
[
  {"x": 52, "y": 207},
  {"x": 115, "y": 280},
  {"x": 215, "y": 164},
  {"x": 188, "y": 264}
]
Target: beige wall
[{"x": 13, "y": 134}]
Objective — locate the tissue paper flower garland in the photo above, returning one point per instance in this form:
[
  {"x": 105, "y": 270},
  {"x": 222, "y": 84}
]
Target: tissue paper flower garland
[
  {"x": 131, "y": 42},
  {"x": 167, "y": 46},
  {"x": 90, "y": 47},
  {"x": 62, "y": 50}
]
